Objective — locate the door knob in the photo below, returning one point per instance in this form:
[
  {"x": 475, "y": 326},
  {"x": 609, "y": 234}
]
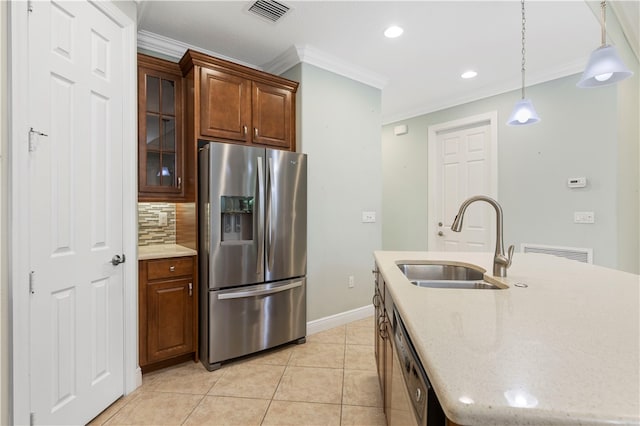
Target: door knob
[
  {"x": 440, "y": 233},
  {"x": 117, "y": 259}
]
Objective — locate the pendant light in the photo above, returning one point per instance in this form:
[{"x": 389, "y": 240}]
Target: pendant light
[
  {"x": 605, "y": 66},
  {"x": 523, "y": 113}
]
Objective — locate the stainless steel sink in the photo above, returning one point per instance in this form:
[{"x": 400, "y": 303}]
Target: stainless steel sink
[
  {"x": 446, "y": 275},
  {"x": 469, "y": 285}
]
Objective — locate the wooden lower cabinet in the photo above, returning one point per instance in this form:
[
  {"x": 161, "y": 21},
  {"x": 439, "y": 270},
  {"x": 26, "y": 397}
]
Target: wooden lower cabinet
[{"x": 167, "y": 311}]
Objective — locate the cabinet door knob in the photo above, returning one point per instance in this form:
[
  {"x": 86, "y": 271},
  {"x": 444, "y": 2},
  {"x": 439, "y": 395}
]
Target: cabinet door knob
[
  {"x": 244, "y": 128},
  {"x": 190, "y": 289},
  {"x": 179, "y": 183},
  {"x": 255, "y": 131},
  {"x": 172, "y": 268}
]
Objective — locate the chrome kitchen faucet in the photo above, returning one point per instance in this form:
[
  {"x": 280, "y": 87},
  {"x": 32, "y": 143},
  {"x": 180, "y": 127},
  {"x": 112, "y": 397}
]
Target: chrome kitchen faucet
[{"x": 500, "y": 261}]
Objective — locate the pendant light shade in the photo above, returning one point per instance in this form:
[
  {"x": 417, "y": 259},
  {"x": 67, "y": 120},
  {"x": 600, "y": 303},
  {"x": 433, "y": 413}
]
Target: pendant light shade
[
  {"x": 605, "y": 66},
  {"x": 523, "y": 113}
]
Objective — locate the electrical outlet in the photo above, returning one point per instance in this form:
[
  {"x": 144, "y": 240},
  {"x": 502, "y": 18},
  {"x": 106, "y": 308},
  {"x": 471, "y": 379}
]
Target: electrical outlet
[
  {"x": 163, "y": 220},
  {"x": 352, "y": 281}
]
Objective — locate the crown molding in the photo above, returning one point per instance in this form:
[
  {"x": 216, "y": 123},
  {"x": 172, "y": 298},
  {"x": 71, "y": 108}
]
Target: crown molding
[
  {"x": 313, "y": 56},
  {"x": 570, "y": 68},
  {"x": 294, "y": 55},
  {"x": 175, "y": 49}
]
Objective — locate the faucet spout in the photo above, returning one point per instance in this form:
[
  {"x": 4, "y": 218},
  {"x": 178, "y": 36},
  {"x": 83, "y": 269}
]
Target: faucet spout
[{"x": 501, "y": 260}]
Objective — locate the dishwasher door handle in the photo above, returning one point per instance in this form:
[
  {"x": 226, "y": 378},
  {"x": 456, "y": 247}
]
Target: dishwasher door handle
[{"x": 264, "y": 292}]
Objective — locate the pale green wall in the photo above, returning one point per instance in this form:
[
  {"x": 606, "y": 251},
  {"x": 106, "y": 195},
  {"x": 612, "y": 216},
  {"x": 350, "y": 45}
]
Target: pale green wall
[
  {"x": 4, "y": 281},
  {"x": 577, "y": 136},
  {"x": 339, "y": 124}
]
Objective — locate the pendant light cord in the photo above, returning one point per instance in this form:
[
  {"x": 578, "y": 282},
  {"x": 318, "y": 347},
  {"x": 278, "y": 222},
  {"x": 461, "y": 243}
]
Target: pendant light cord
[
  {"x": 523, "y": 50},
  {"x": 603, "y": 27}
]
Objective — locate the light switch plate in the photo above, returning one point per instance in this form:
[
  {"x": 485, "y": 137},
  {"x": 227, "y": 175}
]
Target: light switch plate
[
  {"x": 368, "y": 217},
  {"x": 584, "y": 217}
]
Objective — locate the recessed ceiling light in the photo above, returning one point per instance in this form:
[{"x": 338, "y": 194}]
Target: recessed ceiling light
[
  {"x": 393, "y": 32},
  {"x": 469, "y": 74}
]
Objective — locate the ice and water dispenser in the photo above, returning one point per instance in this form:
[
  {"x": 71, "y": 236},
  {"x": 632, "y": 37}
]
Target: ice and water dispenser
[{"x": 236, "y": 218}]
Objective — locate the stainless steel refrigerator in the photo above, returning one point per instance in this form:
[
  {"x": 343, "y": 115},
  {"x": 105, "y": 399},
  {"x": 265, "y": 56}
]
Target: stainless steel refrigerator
[{"x": 253, "y": 250}]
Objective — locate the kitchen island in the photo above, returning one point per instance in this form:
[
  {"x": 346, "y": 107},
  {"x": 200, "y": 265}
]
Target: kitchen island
[{"x": 562, "y": 347}]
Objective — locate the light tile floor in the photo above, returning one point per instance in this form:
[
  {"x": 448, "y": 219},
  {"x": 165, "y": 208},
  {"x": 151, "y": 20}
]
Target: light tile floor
[{"x": 330, "y": 380}]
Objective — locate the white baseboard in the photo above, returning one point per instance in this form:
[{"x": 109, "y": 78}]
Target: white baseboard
[{"x": 337, "y": 320}]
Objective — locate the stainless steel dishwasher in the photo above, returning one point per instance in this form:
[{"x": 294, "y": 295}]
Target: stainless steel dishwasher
[{"x": 413, "y": 401}]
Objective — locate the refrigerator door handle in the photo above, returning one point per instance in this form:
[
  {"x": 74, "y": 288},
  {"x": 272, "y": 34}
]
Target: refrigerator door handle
[
  {"x": 252, "y": 293},
  {"x": 260, "y": 190},
  {"x": 270, "y": 217}
]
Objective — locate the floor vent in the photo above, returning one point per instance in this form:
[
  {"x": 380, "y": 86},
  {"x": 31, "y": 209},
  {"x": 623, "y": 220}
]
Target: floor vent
[
  {"x": 584, "y": 255},
  {"x": 269, "y": 9}
]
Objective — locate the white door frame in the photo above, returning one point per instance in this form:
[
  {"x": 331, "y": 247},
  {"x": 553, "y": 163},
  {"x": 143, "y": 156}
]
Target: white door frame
[
  {"x": 18, "y": 197},
  {"x": 490, "y": 118}
]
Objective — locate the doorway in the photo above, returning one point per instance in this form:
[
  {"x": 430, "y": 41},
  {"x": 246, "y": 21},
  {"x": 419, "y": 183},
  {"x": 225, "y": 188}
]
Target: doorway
[
  {"x": 462, "y": 161},
  {"x": 72, "y": 198}
]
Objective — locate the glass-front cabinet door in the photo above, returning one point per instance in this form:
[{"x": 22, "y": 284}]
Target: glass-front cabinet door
[{"x": 160, "y": 155}]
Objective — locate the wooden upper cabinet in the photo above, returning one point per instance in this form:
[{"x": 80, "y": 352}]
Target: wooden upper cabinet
[
  {"x": 225, "y": 105},
  {"x": 236, "y": 104},
  {"x": 272, "y": 115},
  {"x": 160, "y": 132}
]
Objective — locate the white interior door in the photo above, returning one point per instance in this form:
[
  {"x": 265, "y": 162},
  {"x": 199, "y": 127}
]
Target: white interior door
[
  {"x": 462, "y": 164},
  {"x": 76, "y": 215}
]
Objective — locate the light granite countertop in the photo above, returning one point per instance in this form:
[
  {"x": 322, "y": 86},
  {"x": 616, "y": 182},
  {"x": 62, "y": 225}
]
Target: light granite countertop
[
  {"x": 160, "y": 251},
  {"x": 564, "y": 350}
]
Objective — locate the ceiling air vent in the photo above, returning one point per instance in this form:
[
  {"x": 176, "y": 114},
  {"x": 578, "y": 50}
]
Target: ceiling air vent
[{"x": 269, "y": 9}]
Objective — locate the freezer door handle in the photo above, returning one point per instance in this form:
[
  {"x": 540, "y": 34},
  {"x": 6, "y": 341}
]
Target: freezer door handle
[
  {"x": 260, "y": 189},
  {"x": 252, "y": 293}
]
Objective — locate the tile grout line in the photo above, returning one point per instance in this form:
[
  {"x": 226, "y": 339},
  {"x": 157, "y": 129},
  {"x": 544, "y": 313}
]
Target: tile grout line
[
  {"x": 264, "y": 416},
  {"x": 193, "y": 409}
]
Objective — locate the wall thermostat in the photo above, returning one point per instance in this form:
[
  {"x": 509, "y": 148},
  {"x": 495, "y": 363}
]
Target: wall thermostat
[{"x": 577, "y": 182}]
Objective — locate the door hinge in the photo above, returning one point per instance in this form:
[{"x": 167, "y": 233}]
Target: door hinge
[
  {"x": 32, "y": 284},
  {"x": 32, "y": 419},
  {"x": 33, "y": 134}
]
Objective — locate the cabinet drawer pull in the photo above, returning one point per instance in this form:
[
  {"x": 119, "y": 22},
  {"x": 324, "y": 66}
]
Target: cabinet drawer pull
[{"x": 172, "y": 268}]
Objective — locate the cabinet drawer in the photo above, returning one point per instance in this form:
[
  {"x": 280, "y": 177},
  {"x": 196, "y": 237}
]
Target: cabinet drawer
[{"x": 167, "y": 268}]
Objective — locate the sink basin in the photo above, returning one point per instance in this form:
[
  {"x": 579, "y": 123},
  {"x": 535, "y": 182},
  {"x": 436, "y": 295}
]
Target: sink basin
[
  {"x": 439, "y": 271},
  {"x": 469, "y": 285},
  {"x": 446, "y": 275}
]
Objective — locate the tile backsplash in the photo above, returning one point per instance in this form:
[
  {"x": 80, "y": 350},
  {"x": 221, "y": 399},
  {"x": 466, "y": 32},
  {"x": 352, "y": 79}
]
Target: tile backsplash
[{"x": 149, "y": 231}]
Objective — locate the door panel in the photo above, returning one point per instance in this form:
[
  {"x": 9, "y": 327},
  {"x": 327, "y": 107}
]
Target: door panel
[
  {"x": 231, "y": 202},
  {"x": 75, "y": 214},
  {"x": 463, "y": 170},
  {"x": 170, "y": 319},
  {"x": 286, "y": 215},
  {"x": 225, "y": 105},
  {"x": 272, "y": 117}
]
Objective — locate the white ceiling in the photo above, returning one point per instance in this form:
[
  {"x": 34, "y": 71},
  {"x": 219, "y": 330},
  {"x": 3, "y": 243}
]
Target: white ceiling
[{"x": 418, "y": 72}]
